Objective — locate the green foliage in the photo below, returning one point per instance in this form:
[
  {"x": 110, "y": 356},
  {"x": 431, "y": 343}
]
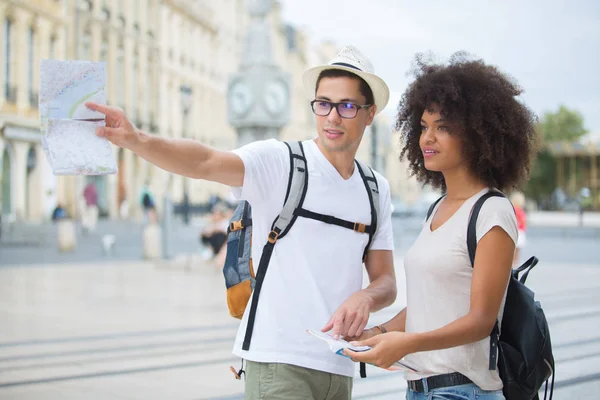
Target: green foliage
[
  {"x": 543, "y": 177},
  {"x": 562, "y": 125}
]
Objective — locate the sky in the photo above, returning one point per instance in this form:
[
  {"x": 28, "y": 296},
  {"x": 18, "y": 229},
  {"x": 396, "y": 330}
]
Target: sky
[{"x": 550, "y": 47}]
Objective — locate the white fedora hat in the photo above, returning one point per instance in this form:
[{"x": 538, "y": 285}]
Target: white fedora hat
[{"x": 351, "y": 60}]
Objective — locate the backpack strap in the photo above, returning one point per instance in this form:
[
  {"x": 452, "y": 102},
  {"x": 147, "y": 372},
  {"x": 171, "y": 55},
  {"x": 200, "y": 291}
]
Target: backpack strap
[
  {"x": 471, "y": 229},
  {"x": 368, "y": 177},
  {"x": 373, "y": 192},
  {"x": 471, "y": 247},
  {"x": 296, "y": 191},
  {"x": 294, "y": 197},
  {"x": 432, "y": 207}
]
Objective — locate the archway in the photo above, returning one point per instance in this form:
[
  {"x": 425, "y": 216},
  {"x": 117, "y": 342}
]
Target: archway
[{"x": 29, "y": 182}]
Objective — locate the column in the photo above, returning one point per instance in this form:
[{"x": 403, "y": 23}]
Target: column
[
  {"x": 112, "y": 188},
  {"x": 2, "y": 20},
  {"x": 594, "y": 179},
  {"x": 560, "y": 174},
  {"x": 129, "y": 76},
  {"x": 573, "y": 175},
  {"x": 111, "y": 68},
  {"x": 96, "y": 30},
  {"x": 19, "y": 186}
]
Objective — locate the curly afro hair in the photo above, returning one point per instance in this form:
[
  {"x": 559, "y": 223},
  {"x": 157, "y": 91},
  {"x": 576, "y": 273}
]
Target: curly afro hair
[{"x": 496, "y": 130}]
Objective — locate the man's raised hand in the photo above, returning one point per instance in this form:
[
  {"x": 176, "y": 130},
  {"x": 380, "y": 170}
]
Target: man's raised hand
[{"x": 119, "y": 130}]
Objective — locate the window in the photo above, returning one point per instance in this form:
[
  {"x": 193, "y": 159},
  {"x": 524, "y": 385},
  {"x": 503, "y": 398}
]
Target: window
[
  {"x": 8, "y": 59},
  {"x": 86, "y": 44},
  {"x": 149, "y": 14},
  {"x": 104, "y": 49},
  {"x": 134, "y": 89},
  {"x": 53, "y": 41},
  {"x": 121, "y": 77},
  {"x": 150, "y": 93},
  {"x": 31, "y": 65}
]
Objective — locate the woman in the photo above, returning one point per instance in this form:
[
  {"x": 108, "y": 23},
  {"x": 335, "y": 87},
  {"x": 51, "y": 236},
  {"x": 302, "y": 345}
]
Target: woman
[{"x": 465, "y": 133}]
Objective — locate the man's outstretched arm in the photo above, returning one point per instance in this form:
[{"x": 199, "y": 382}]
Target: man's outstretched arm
[{"x": 180, "y": 156}]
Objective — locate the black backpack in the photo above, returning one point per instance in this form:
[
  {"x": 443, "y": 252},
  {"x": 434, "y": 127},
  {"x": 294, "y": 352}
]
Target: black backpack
[
  {"x": 147, "y": 200},
  {"x": 522, "y": 350}
]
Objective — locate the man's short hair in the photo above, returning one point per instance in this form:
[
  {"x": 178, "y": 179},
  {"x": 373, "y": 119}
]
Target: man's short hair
[{"x": 364, "y": 88}]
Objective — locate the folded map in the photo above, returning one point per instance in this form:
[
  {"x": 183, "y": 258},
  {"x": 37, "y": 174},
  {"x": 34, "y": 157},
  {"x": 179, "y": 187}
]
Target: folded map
[
  {"x": 68, "y": 126},
  {"x": 338, "y": 345}
]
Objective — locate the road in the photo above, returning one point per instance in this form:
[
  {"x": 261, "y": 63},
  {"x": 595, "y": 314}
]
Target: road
[{"x": 560, "y": 244}]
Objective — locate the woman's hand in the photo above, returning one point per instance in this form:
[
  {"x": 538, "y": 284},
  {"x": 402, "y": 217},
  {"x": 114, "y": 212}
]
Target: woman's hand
[{"x": 386, "y": 348}]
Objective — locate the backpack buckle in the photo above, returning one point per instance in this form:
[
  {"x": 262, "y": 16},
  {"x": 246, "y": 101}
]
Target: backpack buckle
[
  {"x": 273, "y": 237},
  {"x": 236, "y": 226},
  {"x": 359, "y": 227}
]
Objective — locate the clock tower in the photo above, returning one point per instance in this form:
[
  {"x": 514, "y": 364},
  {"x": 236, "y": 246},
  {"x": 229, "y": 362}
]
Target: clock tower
[{"x": 258, "y": 96}]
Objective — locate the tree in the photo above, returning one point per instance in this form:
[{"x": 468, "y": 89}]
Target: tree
[{"x": 562, "y": 125}]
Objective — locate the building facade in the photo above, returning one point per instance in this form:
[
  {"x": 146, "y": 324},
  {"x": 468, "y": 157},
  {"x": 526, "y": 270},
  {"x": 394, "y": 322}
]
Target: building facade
[
  {"x": 168, "y": 64},
  {"x": 578, "y": 166},
  {"x": 31, "y": 30}
]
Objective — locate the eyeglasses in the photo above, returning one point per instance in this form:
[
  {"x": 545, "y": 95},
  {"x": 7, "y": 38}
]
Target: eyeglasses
[{"x": 345, "y": 109}]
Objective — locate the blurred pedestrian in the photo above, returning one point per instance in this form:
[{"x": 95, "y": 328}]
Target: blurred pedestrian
[
  {"x": 58, "y": 212},
  {"x": 89, "y": 217},
  {"x": 518, "y": 201},
  {"x": 214, "y": 233},
  {"x": 147, "y": 203}
]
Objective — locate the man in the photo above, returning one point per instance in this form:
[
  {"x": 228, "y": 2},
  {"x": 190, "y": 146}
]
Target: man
[
  {"x": 314, "y": 278},
  {"x": 147, "y": 203}
]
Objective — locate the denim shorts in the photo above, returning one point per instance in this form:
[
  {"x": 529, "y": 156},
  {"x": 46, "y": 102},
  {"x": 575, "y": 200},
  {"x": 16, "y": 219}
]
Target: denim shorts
[{"x": 459, "y": 392}]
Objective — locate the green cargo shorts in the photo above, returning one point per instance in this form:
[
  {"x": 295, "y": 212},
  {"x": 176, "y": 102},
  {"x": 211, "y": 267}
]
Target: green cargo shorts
[{"x": 271, "y": 381}]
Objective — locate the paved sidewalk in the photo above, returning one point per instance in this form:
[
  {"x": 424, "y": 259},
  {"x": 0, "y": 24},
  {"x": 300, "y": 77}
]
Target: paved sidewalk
[
  {"x": 563, "y": 219},
  {"x": 139, "y": 330}
]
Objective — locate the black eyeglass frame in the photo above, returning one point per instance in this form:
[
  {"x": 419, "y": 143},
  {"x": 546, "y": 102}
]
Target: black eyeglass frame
[{"x": 337, "y": 105}]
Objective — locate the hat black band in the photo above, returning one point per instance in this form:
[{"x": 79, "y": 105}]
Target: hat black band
[{"x": 347, "y": 65}]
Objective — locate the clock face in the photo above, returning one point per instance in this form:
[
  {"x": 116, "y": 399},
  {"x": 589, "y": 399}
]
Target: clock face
[
  {"x": 240, "y": 97},
  {"x": 276, "y": 96}
]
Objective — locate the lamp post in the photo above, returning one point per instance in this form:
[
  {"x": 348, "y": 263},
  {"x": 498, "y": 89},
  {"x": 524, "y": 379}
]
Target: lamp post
[
  {"x": 186, "y": 104},
  {"x": 374, "y": 145}
]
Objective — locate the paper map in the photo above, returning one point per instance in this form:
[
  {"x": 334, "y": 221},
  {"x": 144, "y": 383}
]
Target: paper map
[
  {"x": 68, "y": 126},
  {"x": 338, "y": 345}
]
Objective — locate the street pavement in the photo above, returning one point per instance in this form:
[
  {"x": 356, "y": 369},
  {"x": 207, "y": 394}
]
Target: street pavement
[{"x": 118, "y": 328}]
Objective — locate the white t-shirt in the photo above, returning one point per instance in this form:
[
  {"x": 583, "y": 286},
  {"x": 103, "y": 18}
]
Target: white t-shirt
[
  {"x": 316, "y": 266},
  {"x": 438, "y": 282}
]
